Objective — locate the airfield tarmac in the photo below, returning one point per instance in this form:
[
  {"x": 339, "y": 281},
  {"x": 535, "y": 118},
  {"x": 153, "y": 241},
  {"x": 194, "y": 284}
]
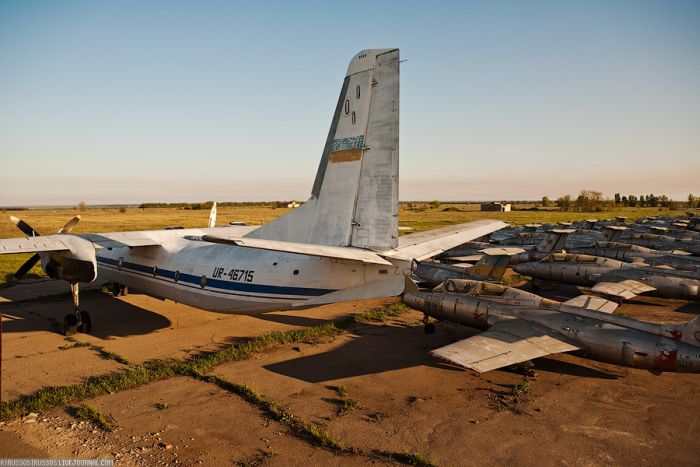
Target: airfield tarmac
[{"x": 573, "y": 412}]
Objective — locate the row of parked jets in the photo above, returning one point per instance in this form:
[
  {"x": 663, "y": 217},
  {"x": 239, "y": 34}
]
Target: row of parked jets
[{"x": 343, "y": 244}]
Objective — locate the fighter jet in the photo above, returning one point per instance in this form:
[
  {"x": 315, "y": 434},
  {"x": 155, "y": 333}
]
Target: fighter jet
[
  {"x": 490, "y": 267},
  {"x": 342, "y": 244},
  {"x": 516, "y": 334},
  {"x": 612, "y": 277}
]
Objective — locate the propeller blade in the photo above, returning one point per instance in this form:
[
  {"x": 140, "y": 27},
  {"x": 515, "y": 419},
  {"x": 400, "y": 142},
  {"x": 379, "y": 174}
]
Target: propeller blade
[
  {"x": 24, "y": 269},
  {"x": 69, "y": 225},
  {"x": 24, "y": 227}
]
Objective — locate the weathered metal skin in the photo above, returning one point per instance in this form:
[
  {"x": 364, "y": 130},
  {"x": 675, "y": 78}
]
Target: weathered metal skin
[
  {"x": 667, "y": 282},
  {"x": 613, "y": 339},
  {"x": 663, "y": 243},
  {"x": 645, "y": 256},
  {"x": 78, "y": 264}
]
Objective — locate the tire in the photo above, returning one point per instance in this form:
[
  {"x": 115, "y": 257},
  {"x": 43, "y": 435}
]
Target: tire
[
  {"x": 86, "y": 325},
  {"x": 125, "y": 290},
  {"x": 116, "y": 289},
  {"x": 429, "y": 328},
  {"x": 70, "y": 325}
]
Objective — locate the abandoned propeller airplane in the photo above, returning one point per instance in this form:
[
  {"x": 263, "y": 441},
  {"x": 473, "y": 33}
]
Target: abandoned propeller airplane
[{"x": 342, "y": 244}]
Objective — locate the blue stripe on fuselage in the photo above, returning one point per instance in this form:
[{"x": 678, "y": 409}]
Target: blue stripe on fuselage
[{"x": 217, "y": 283}]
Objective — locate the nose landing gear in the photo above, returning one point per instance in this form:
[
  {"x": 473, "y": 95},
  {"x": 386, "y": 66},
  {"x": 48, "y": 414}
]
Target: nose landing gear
[{"x": 79, "y": 321}]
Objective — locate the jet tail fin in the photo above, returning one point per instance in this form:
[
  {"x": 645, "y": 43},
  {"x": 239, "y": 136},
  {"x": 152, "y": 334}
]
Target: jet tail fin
[
  {"x": 494, "y": 262},
  {"x": 613, "y": 233},
  {"x": 554, "y": 241}
]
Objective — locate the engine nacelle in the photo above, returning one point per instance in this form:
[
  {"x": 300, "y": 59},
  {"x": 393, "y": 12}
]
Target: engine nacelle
[{"x": 75, "y": 265}]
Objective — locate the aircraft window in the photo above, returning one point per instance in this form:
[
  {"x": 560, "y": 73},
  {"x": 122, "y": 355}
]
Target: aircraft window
[
  {"x": 357, "y": 91},
  {"x": 296, "y": 272},
  {"x": 177, "y": 276},
  {"x": 353, "y": 118},
  {"x": 203, "y": 281},
  {"x": 347, "y": 106},
  {"x": 120, "y": 263},
  {"x": 155, "y": 271}
]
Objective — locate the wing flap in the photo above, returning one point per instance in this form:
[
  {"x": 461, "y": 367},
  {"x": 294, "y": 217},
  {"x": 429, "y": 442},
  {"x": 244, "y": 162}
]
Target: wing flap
[
  {"x": 321, "y": 251},
  {"x": 505, "y": 343},
  {"x": 626, "y": 289}
]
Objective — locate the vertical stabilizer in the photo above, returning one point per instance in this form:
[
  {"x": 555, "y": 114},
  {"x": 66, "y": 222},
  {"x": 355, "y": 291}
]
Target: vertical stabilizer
[
  {"x": 555, "y": 241},
  {"x": 355, "y": 199}
]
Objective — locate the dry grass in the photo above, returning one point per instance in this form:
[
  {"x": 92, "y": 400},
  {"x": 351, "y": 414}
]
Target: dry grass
[{"x": 421, "y": 217}]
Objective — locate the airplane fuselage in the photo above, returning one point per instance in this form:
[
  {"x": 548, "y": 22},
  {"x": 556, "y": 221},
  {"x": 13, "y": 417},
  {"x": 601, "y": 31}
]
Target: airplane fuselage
[{"x": 227, "y": 278}]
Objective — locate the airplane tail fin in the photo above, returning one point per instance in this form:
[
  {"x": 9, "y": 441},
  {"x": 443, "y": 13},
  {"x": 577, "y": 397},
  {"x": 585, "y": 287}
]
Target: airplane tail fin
[
  {"x": 212, "y": 216},
  {"x": 494, "y": 262},
  {"x": 554, "y": 241},
  {"x": 355, "y": 196},
  {"x": 613, "y": 233}
]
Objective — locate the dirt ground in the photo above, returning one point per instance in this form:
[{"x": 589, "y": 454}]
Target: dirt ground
[{"x": 573, "y": 412}]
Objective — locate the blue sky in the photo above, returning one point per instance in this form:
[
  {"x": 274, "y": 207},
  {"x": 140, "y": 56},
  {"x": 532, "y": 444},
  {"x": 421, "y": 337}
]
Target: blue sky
[{"x": 123, "y": 102}]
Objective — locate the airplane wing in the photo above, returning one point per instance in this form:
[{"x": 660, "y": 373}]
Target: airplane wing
[
  {"x": 592, "y": 303},
  {"x": 321, "y": 251},
  {"x": 506, "y": 343},
  {"x": 32, "y": 244},
  {"x": 626, "y": 289},
  {"x": 422, "y": 245}
]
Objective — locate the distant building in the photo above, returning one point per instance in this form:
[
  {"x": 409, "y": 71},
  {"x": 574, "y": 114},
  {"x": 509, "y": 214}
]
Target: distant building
[{"x": 498, "y": 207}]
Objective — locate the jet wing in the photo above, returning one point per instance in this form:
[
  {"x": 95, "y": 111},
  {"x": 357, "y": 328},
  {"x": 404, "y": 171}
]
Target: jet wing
[
  {"x": 626, "y": 289},
  {"x": 505, "y": 343},
  {"x": 32, "y": 244},
  {"x": 592, "y": 303},
  {"x": 422, "y": 245},
  {"x": 321, "y": 251}
]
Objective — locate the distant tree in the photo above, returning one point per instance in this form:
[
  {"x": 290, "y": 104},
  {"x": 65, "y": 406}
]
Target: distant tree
[
  {"x": 632, "y": 201},
  {"x": 692, "y": 200},
  {"x": 546, "y": 202},
  {"x": 435, "y": 204},
  {"x": 564, "y": 202},
  {"x": 617, "y": 199},
  {"x": 122, "y": 209},
  {"x": 82, "y": 206},
  {"x": 625, "y": 201},
  {"x": 642, "y": 201}
]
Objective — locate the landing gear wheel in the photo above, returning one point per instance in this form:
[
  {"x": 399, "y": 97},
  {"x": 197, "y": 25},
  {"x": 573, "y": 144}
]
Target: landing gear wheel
[
  {"x": 125, "y": 290},
  {"x": 86, "y": 322},
  {"x": 429, "y": 328},
  {"x": 70, "y": 325},
  {"x": 116, "y": 289}
]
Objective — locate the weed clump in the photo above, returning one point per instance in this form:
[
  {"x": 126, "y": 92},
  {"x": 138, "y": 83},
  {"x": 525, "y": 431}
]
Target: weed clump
[{"x": 92, "y": 414}]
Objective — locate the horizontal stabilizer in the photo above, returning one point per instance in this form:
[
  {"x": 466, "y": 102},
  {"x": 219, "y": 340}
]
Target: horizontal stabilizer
[
  {"x": 626, "y": 289},
  {"x": 592, "y": 303},
  {"x": 378, "y": 288},
  {"x": 423, "y": 245},
  {"x": 496, "y": 251},
  {"x": 320, "y": 251},
  {"x": 506, "y": 343}
]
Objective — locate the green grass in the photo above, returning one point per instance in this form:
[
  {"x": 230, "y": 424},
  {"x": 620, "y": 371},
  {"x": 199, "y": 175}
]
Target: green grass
[
  {"x": 49, "y": 398},
  {"x": 93, "y": 415},
  {"x": 108, "y": 355},
  {"x": 347, "y": 406},
  {"x": 521, "y": 389}
]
